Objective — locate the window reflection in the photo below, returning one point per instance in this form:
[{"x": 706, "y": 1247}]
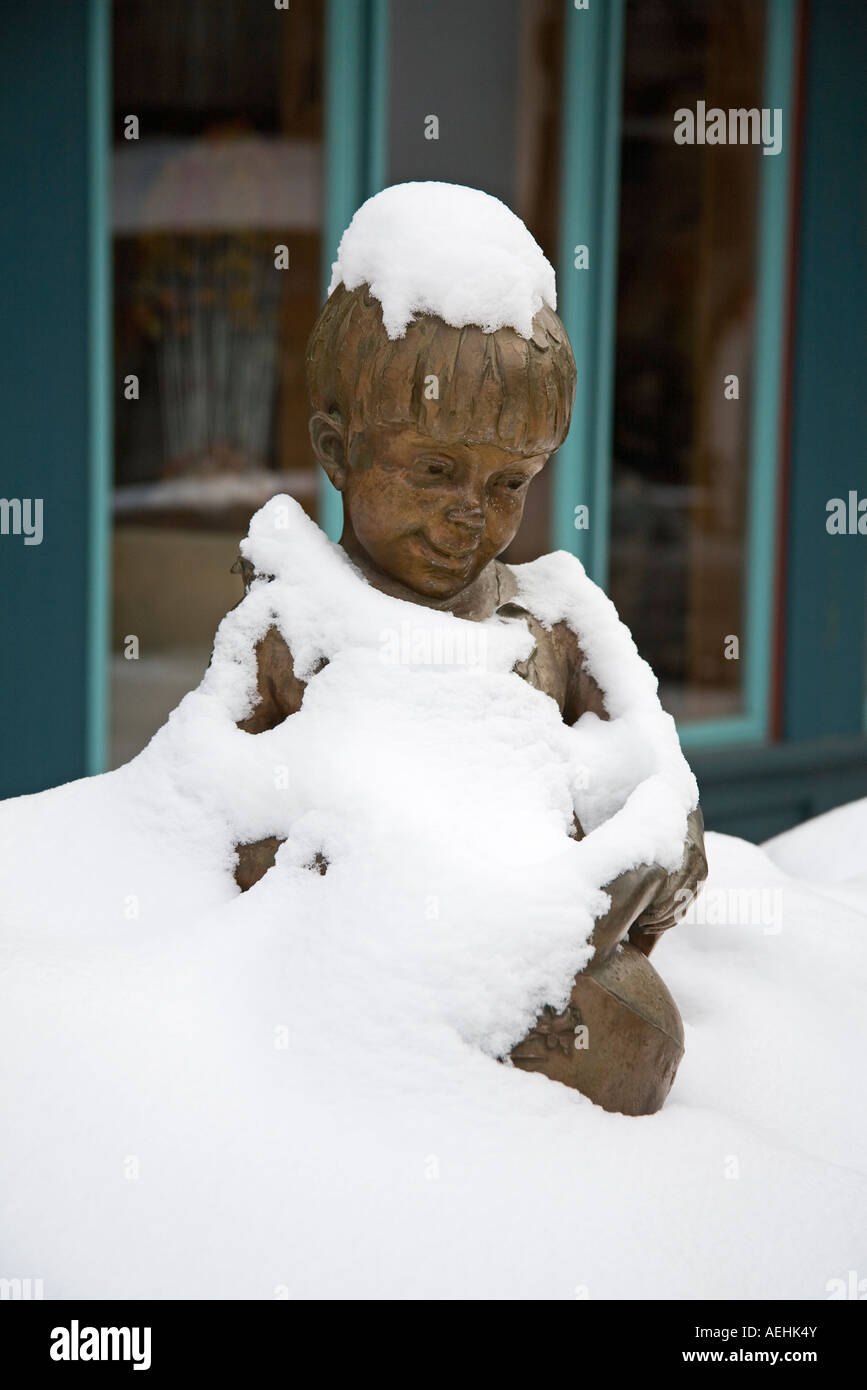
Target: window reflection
[
  {"x": 685, "y": 322},
  {"x": 210, "y": 407}
]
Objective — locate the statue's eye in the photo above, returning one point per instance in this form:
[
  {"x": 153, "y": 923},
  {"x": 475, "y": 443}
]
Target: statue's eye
[
  {"x": 435, "y": 468},
  {"x": 515, "y": 484}
]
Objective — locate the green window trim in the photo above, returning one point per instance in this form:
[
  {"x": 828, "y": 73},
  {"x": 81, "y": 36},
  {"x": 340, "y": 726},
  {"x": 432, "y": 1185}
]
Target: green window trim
[
  {"x": 587, "y": 302},
  {"x": 356, "y": 113},
  {"x": 587, "y": 299}
]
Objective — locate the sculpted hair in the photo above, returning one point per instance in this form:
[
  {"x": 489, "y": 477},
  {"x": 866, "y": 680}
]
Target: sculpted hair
[{"x": 496, "y": 388}]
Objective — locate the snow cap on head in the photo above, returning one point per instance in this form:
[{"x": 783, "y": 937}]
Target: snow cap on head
[{"x": 441, "y": 248}]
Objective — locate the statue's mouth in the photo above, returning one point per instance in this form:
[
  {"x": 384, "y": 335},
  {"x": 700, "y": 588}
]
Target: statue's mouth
[{"x": 453, "y": 558}]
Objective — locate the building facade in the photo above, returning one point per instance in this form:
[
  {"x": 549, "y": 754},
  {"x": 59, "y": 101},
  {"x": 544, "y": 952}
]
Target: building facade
[{"x": 177, "y": 175}]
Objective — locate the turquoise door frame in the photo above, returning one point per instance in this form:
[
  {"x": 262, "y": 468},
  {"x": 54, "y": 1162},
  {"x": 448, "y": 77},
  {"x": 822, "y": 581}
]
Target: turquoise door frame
[
  {"x": 587, "y": 302},
  {"x": 587, "y": 297},
  {"x": 356, "y": 112}
]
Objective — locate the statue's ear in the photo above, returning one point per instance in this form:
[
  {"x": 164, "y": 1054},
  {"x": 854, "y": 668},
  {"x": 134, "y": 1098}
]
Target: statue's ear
[{"x": 327, "y": 438}]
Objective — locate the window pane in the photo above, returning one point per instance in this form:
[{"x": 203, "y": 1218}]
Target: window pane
[
  {"x": 685, "y": 322},
  {"x": 227, "y": 165},
  {"x": 497, "y": 96}
]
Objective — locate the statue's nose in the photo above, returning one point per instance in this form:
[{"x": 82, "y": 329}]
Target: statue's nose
[{"x": 469, "y": 514}]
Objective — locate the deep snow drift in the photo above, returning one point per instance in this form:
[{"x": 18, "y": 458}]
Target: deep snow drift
[{"x": 294, "y": 1092}]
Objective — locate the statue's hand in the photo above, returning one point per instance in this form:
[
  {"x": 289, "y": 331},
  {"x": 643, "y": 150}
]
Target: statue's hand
[
  {"x": 676, "y": 891},
  {"x": 630, "y": 895}
]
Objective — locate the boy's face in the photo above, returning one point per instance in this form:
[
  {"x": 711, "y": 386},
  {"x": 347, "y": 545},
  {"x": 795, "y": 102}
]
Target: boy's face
[{"x": 433, "y": 515}]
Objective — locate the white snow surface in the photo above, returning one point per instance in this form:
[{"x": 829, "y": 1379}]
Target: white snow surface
[
  {"x": 832, "y": 847},
  {"x": 293, "y": 1092},
  {"x": 442, "y": 248}
]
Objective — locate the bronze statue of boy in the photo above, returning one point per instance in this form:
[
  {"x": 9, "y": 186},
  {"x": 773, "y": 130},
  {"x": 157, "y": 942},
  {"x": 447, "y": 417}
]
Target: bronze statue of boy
[{"x": 433, "y": 440}]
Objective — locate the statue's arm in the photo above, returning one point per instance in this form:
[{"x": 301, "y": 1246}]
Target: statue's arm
[
  {"x": 645, "y": 901},
  {"x": 677, "y": 890},
  {"x": 279, "y": 694},
  {"x": 582, "y": 690},
  {"x": 279, "y": 691}
]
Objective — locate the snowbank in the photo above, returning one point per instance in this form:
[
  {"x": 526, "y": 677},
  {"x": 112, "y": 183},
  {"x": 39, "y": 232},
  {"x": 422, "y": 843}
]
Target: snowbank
[
  {"x": 294, "y": 1092},
  {"x": 831, "y": 848}
]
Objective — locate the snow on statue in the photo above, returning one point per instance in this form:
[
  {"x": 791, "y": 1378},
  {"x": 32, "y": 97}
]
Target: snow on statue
[
  {"x": 424, "y": 766},
  {"x": 439, "y": 284}
]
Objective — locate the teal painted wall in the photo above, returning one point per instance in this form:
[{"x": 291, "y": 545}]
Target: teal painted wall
[
  {"x": 759, "y": 792},
  {"x": 44, "y": 247},
  {"x": 826, "y": 620}
]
